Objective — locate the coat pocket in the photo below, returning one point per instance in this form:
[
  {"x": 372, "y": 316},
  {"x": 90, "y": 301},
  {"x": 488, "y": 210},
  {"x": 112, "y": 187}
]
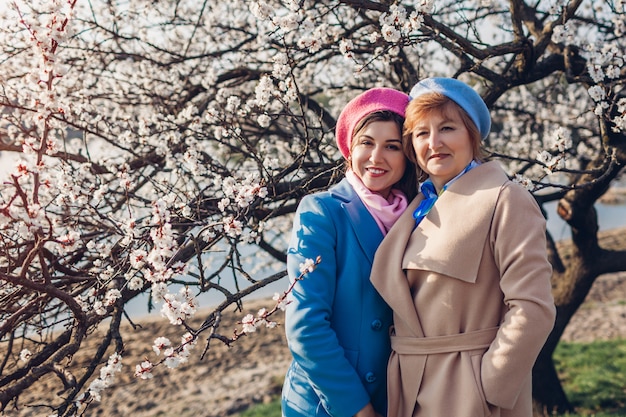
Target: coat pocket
[
  {"x": 476, "y": 360},
  {"x": 298, "y": 397}
]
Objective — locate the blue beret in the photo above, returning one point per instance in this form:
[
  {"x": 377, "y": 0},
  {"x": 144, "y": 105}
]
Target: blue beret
[{"x": 462, "y": 94}]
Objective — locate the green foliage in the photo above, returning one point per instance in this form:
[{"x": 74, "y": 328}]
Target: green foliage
[
  {"x": 593, "y": 375},
  {"x": 271, "y": 409}
]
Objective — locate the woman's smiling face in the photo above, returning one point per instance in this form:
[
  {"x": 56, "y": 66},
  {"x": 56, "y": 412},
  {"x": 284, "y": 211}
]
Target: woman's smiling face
[
  {"x": 377, "y": 157},
  {"x": 442, "y": 144}
]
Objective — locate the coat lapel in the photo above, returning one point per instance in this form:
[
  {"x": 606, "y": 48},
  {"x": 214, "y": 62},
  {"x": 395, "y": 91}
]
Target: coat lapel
[
  {"x": 365, "y": 228},
  {"x": 387, "y": 275},
  {"x": 458, "y": 226}
]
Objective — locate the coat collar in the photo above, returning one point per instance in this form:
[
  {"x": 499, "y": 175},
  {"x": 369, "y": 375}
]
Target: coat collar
[
  {"x": 463, "y": 214},
  {"x": 365, "y": 228},
  {"x": 463, "y": 211}
]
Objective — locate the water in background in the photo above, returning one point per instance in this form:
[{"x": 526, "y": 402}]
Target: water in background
[{"x": 609, "y": 216}]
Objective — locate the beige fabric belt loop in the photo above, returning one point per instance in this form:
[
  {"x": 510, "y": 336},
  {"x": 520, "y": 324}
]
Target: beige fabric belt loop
[{"x": 478, "y": 339}]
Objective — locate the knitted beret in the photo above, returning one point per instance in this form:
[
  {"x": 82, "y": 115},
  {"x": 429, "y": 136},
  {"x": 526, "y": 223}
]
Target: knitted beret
[
  {"x": 375, "y": 99},
  {"x": 462, "y": 94}
]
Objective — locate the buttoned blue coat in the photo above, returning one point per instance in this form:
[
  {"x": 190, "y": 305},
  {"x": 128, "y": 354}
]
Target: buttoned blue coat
[{"x": 336, "y": 324}]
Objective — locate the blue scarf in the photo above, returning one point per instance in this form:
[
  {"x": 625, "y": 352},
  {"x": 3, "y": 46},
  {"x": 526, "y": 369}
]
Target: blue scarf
[{"x": 430, "y": 194}]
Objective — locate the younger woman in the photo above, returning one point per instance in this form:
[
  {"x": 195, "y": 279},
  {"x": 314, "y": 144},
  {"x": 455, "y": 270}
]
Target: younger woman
[{"x": 337, "y": 325}]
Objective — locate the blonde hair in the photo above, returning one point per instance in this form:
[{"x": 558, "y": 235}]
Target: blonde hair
[{"x": 436, "y": 103}]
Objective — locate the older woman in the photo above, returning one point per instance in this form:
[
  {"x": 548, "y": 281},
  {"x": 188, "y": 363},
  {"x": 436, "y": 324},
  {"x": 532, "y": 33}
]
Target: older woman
[{"x": 465, "y": 270}]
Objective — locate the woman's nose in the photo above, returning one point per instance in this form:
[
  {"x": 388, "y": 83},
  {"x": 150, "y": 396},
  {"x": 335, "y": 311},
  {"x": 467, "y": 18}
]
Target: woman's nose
[
  {"x": 376, "y": 154},
  {"x": 434, "y": 141}
]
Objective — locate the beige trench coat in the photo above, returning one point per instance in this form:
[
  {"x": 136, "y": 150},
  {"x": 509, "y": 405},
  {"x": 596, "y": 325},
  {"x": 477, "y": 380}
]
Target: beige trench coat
[{"x": 471, "y": 295}]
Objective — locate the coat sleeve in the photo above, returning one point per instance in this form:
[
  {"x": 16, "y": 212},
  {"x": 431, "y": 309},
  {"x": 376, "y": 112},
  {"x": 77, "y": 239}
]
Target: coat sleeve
[
  {"x": 313, "y": 343},
  {"x": 519, "y": 244}
]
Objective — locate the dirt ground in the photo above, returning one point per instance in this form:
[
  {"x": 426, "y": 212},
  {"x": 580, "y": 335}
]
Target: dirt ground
[{"x": 603, "y": 314}]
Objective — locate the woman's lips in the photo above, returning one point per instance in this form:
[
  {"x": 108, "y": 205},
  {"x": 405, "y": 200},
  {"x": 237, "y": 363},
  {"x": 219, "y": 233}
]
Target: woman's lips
[{"x": 376, "y": 171}]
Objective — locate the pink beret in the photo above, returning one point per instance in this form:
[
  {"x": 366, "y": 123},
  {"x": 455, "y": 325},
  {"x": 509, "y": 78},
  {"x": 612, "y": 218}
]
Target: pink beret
[{"x": 376, "y": 99}]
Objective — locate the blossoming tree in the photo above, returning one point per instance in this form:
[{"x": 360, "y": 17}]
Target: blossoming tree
[{"x": 158, "y": 147}]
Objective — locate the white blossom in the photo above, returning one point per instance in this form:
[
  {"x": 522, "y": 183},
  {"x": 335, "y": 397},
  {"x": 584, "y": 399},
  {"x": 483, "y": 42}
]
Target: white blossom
[
  {"x": 111, "y": 296},
  {"x": 391, "y": 33},
  {"x": 264, "y": 120},
  {"x": 263, "y": 91},
  {"x": 307, "y": 266},
  {"x": 135, "y": 283},
  {"x": 144, "y": 370},
  {"x": 260, "y": 9},
  {"x": 25, "y": 355},
  {"x": 160, "y": 343},
  {"x": 281, "y": 301},
  {"x": 597, "y": 93},
  {"x": 288, "y": 22},
  {"x": 524, "y": 182},
  {"x": 345, "y": 47},
  {"x": 563, "y": 34},
  {"x": 107, "y": 376},
  {"x": 561, "y": 140},
  {"x": 249, "y": 324},
  {"x": 179, "y": 307}
]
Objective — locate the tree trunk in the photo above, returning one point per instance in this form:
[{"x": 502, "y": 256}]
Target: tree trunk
[
  {"x": 548, "y": 394},
  {"x": 570, "y": 288}
]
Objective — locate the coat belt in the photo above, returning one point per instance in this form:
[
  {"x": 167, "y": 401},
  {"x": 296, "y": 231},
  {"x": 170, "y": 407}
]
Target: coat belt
[
  {"x": 443, "y": 344},
  {"x": 403, "y": 387}
]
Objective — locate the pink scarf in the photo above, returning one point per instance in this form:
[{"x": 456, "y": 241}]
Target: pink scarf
[{"x": 384, "y": 210}]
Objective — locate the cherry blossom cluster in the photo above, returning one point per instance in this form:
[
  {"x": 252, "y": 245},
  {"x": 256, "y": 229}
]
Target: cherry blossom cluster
[
  {"x": 46, "y": 30},
  {"x": 105, "y": 380},
  {"x": 525, "y": 182},
  {"x": 561, "y": 143},
  {"x": 396, "y": 23},
  {"x": 604, "y": 65},
  {"x": 164, "y": 243},
  {"x": 94, "y": 391},
  {"x": 604, "y": 58},
  {"x": 238, "y": 195},
  {"x": 173, "y": 356},
  {"x": 251, "y": 322},
  {"x": 42, "y": 33},
  {"x": 92, "y": 301},
  {"x": 395, "y": 27},
  {"x": 177, "y": 307}
]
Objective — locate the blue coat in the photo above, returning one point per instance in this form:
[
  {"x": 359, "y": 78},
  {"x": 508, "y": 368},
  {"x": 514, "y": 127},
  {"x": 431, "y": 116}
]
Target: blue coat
[{"x": 337, "y": 324}]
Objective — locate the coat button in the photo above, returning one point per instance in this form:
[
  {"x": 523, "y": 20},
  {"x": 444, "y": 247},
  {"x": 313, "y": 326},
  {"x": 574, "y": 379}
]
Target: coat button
[
  {"x": 370, "y": 377},
  {"x": 377, "y": 324}
]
